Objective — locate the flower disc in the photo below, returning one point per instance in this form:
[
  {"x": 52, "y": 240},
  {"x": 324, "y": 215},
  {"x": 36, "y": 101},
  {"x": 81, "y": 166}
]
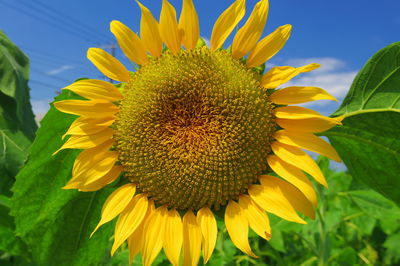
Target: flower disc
[{"x": 194, "y": 129}]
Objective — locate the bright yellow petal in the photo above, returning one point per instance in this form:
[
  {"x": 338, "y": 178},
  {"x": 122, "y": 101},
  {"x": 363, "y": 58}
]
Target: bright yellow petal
[
  {"x": 173, "y": 236},
  {"x": 307, "y": 141},
  {"x": 238, "y": 227},
  {"x": 269, "y": 46},
  {"x": 208, "y": 225},
  {"x": 102, "y": 181},
  {"x": 295, "y": 112},
  {"x": 312, "y": 124},
  {"x": 108, "y": 65},
  {"x": 295, "y": 95},
  {"x": 88, "y": 126},
  {"x": 257, "y": 218},
  {"x": 189, "y": 25},
  {"x": 95, "y": 89},
  {"x": 129, "y": 42},
  {"x": 272, "y": 200},
  {"x": 87, "y": 158},
  {"x": 226, "y": 22},
  {"x": 191, "y": 239},
  {"x": 294, "y": 176},
  {"x": 149, "y": 32},
  {"x": 276, "y": 76},
  {"x": 101, "y": 168},
  {"x": 294, "y": 196},
  {"x": 136, "y": 238},
  {"x": 96, "y": 169},
  {"x": 246, "y": 38},
  {"x": 116, "y": 203},
  {"x": 131, "y": 217},
  {"x": 169, "y": 27},
  {"x": 87, "y": 142},
  {"x": 302, "y": 119},
  {"x": 93, "y": 108},
  {"x": 153, "y": 230},
  {"x": 299, "y": 159}
]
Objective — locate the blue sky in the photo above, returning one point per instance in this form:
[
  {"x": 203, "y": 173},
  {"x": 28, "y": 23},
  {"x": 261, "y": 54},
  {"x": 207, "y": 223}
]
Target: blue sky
[{"x": 341, "y": 35}]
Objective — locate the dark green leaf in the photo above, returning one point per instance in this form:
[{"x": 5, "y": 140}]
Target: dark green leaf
[
  {"x": 17, "y": 124},
  {"x": 14, "y": 73},
  {"x": 56, "y": 223},
  {"x": 17, "y": 130},
  {"x": 368, "y": 142},
  {"x": 8, "y": 241},
  {"x": 392, "y": 245},
  {"x": 347, "y": 256}
]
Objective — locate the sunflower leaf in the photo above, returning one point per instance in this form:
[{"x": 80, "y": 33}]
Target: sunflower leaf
[
  {"x": 17, "y": 130},
  {"x": 368, "y": 142},
  {"x": 56, "y": 223},
  {"x": 17, "y": 124}
]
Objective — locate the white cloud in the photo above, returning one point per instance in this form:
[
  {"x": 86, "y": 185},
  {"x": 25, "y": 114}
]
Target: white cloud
[
  {"x": 40, "y": 108},
  {"x": 333, "y": 76},
  {"x": 59, "y": 70}
]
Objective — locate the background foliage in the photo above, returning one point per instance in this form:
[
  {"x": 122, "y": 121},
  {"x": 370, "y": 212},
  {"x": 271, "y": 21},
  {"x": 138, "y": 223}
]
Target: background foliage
[{"x": 41, "y": 224}]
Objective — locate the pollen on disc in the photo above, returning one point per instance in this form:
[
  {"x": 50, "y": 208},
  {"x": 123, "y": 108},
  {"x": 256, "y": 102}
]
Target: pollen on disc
[{"x": 194, "y": 129}]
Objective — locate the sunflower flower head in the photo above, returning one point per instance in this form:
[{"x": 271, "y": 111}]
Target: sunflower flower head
[{"x": 194, "y": 131}]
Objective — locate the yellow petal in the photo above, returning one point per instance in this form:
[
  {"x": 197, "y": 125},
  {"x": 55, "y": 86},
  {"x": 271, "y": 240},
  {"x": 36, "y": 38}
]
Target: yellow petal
[
  {"x": 108, "y": 65},
  {"x": 129, "y": 42},
  {"x": 116, "y": 203},
  {"x": 256, "y": 217},
  {"x": 294, "y": 196},
  {"x": 169, "y": 27},
  {"x": 173, "y": 236},
  {"x": 276, "y": 76},
  {"x": 131, "y": 217},
  {"x": 208, "y": 225},
  {"x": 299, "y": 159},
  {"x": 295, "y": 95},
  {"x": 97, "y": 169},
  {"x": 238, "y": 227},
  {"x": 307, "y": 141},
  {"x": 226, "y": 22},
  {"x": 87, "y": 142},
  {"x": 191, "y": 239},
  {"x": 95, "y": 89},
  {"x": 189, "y": 25},
  {"x": 136, "y": 238},
  {"x": 153, "y": 229},
  {"x": 295, "y": 112},
  {"x": 246, "y": 38},
  {"x": 102, "y": 181},
  {"x": 88, "y": 126},
  {"x": 272, "y": 200},
  {"x": 149, "y": 32},
  {"x": 101, "y": 169},
  {"x": 302, "y": 119},
  {"x": 88, "y": 158},
  {"x": 294, "y": 176},
  {"x": 312, "y": 124},
  {"x": 269, "y": 46},
  {"x": 93, "y": 108}
]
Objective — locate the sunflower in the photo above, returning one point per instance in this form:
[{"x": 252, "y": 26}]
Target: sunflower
[{"x": 195, "y": 131}]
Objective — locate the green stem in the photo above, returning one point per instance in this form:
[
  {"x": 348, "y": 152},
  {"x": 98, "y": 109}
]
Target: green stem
[{"x": 323, "y": 243}]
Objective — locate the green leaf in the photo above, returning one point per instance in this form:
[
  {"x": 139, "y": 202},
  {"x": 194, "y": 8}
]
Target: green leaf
[
  {"x": 56, "y": 223},
  {"x": 392, "y": 245},
  {"x": 368, "y": 142},
  {"x": 347, "y": 256},
  {"x": 17, "y": 130},
  {"x": 17, "y": 124}
]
